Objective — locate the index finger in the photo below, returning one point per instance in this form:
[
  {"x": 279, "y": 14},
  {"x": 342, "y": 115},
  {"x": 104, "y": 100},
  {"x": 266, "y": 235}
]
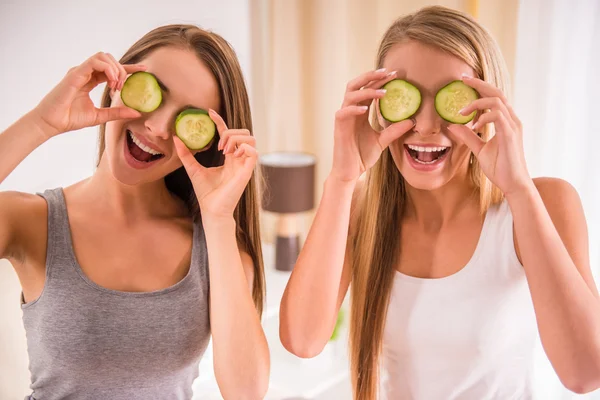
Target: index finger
[
  {"x": 368, "y": 77},
  {"x": 488, "y": 90},
  {"x": 219, "y": 122},
  {"x": 484, "y": 88}
]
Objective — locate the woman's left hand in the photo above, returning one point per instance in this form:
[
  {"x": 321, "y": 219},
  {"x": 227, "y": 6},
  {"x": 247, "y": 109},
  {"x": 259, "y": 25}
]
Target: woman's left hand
[
  {"x": 219, "y": 189},
  {"x": 502, "y": 158}
]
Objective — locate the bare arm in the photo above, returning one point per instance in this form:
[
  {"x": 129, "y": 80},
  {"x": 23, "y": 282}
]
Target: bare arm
[
  {"x": 552, "y": 242},
  {"x": 19, "y": 140},
  {"x": 320, "y": 279},
  {"x": 16, "y": 143},
  {"x": 67, "y": 107},
  {"x": 241, "y": 353},
  {"x": 321, "y": 276}
]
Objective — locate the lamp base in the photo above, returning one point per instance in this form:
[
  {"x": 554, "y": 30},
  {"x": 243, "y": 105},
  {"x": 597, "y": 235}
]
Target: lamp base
[{"x": 287, "y": 249}]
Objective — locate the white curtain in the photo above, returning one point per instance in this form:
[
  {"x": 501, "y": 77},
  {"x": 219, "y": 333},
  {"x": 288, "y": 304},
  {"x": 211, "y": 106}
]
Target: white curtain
[{"x": 556, "y": 94}]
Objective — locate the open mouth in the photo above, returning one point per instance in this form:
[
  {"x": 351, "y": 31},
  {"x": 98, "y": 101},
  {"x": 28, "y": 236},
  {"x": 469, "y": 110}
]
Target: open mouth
[
  {"x": 139, "y": 151},
  {"x": 426, "y": 155}
]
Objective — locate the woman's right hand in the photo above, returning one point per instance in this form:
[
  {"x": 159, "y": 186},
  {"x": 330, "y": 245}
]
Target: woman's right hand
[
  {"x": 357, "y": 146},
  {"x": 68, "y": 106}
]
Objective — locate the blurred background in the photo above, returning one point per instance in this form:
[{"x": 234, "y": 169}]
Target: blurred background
[{"x": 297, "y": 56}]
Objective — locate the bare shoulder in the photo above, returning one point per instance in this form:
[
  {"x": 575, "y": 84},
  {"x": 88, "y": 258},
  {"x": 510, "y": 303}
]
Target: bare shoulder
[
  {"x": 23, "y": 221},
  {"x": 565, "y": 209},
  {"x": 558, "y": 195}
]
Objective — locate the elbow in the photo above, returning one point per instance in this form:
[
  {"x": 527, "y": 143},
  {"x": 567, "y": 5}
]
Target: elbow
[
  {"x": 248, "y": 394},
  {"x": 298, "y": 344},
  {"x": 254, "y": 390},
  {"x": 257, "y": 392},
  {"x": 581, "y": 386},
  {"x": 582, "y": 380}
]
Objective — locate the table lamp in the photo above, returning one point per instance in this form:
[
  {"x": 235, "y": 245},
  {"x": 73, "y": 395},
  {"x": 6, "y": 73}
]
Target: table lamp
[{"x": 289, "y": 189}]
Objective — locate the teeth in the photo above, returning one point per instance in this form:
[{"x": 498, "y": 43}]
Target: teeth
[
  {"x": 143, "y": 146},
  {"x": 426, "y": 149}
]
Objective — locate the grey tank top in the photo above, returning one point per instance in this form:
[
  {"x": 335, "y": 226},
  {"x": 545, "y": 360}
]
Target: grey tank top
[{"x": 89, "y": 342}]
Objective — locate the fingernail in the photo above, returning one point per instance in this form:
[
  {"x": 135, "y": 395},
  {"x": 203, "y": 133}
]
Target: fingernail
[
  {"x": 475, "y": 126},
  {"x": 382, "y": 91},
  {"x": 462, "y": 111},
  {"x": 380, "y": 70},
  {"x": 364, "y": 108},
  {"x": 465, "y": 76},
  {"x": 391, "y": 73}
]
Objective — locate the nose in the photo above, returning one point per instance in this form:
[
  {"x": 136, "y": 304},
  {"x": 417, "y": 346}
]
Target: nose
[
  {"x": 158, "y": 123},
  {"x": 427, "y": 120}
]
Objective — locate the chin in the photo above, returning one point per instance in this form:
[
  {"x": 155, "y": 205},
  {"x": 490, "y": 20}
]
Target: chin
[{"x": 430, "y": 183}]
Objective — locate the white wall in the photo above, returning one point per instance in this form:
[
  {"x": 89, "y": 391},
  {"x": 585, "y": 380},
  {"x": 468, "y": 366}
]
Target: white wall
[{"x": 41, "y": 40}]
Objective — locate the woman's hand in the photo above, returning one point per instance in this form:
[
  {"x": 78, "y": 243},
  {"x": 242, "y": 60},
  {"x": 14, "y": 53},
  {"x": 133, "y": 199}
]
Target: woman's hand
[
  {"x": 357, "y": 146},
  {"x": 502, "y": 158},
  {"x": 68, "y": 106},
  {"x": 219, "y": 189}
]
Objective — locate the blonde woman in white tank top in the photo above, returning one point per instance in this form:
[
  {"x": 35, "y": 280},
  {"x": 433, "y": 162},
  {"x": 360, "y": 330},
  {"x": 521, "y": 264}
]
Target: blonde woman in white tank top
[{"x": 458, "y": 259}]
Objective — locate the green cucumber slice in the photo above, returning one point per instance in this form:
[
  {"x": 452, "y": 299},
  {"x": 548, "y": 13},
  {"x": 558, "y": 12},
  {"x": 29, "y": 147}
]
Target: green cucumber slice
[
  {"x": 401, "y": 100},
  {"x": 453, "y": 97},
  {"x": 195, "y": 128},
  {"x": 141, "y": 92}
]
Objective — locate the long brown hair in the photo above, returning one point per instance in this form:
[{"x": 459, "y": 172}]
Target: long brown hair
[
  {"x": 374, "y": 242},
  {"x": 220, "y": 58}
]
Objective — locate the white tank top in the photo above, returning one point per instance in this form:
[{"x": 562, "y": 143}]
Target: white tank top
[{"x": 470, "y": 335}]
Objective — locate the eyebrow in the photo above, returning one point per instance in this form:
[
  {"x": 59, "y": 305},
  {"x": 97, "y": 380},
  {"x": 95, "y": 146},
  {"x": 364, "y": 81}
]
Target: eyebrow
[{"x": 166, "y": 90}]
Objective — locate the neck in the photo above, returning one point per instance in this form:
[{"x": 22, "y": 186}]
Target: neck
[
  {"x": 433, "y": 209},
  {"x": 130, "y": 202}
]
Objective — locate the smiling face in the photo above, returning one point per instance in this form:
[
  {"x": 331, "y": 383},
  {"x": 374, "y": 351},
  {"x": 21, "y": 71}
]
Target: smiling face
[
  {"x": 142, "y": 150},
  {"x": 428, "y": 157}
]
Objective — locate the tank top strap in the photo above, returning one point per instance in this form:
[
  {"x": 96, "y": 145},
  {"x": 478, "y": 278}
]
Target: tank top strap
[
  {"x": 499, "y": 246},
  {"x": 59, "y": 250}
]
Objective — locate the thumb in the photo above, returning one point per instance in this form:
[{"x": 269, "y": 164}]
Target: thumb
[
  {"x": 191, "y": 165},
  {"x": 394, "y": 132},
  {"x": 468, "y": 137},
  {"x": 113, "y": 113}
]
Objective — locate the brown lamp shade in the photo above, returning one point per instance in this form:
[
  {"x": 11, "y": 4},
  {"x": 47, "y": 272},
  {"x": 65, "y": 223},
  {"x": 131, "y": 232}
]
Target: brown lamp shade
[{"x": 290, "y": 182}]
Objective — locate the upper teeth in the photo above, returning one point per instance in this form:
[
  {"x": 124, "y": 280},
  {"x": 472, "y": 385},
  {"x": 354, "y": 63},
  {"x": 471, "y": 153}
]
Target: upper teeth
[
  {"x": 426, "y": 149},
  {"x": 143, "y": 146}
]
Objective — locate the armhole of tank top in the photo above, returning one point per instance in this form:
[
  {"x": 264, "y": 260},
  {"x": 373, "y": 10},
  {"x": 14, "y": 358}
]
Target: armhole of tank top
[{"x": 50, "y": 245}]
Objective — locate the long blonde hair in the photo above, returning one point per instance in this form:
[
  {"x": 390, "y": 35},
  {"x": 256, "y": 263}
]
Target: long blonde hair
[
  {"x": 220, "y": 58},
  {"x": 374, "y": 242}
]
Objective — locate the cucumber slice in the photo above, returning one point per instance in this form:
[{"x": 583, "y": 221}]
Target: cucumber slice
[
  {"x": 401, "y": 100},
  {"x": 195, "y": 128},
  {"x": 450, "y": 99},
  {"x": 141, "y": 92}
]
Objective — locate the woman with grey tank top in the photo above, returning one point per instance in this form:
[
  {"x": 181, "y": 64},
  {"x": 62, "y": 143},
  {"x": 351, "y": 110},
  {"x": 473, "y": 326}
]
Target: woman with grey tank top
[{"x": 115, "y": 269}]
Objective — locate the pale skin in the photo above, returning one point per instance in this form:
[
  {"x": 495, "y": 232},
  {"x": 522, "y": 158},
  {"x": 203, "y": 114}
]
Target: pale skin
[
  {"x": 129, "y": 232},
  {"x": 441, "y": 224}
]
